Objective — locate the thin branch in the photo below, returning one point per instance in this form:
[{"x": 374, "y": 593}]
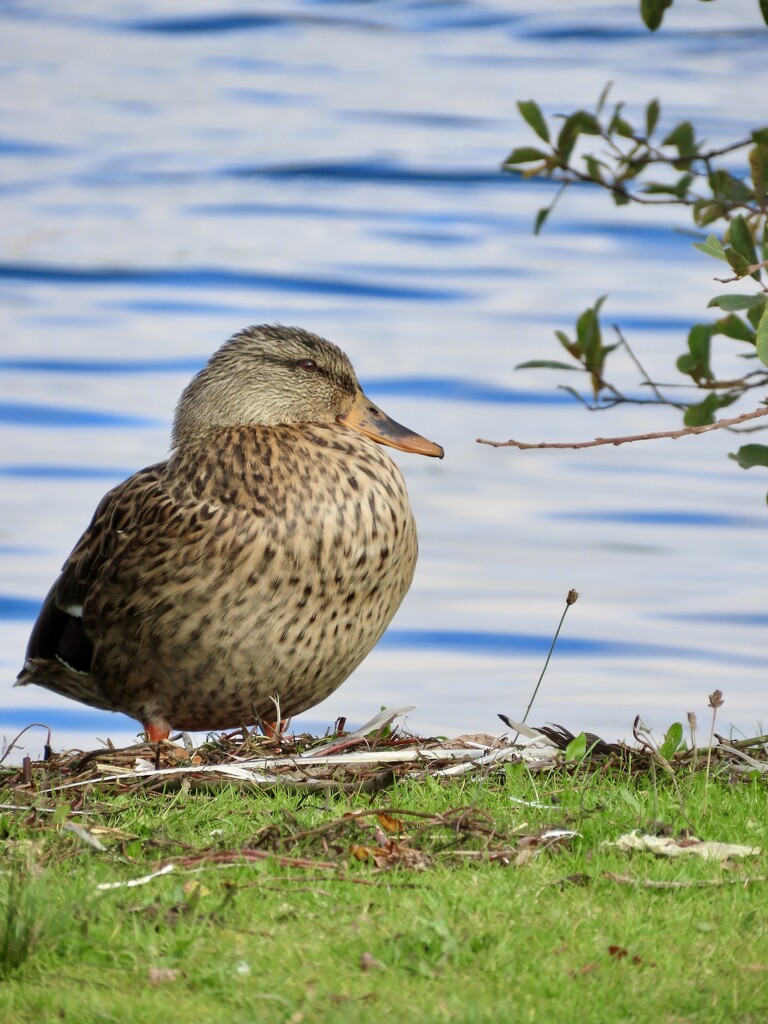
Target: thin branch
[
  {"x": 15, "y": 740},
  {"x": 673, "y": 434},
  {"x": 661, "y": 158},
  {"x": 572, "y": 176},
  {"x": 641, "y": 369},
  {"x": 754, "y": 741},
  {"x": 751, "y": 269},
  {"x": 738, "y": 385},
  {"x": 726, "y": 149}
]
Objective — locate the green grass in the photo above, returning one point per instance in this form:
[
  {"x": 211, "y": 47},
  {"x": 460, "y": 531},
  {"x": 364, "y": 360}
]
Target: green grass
[{"x": 435, "y": 936}]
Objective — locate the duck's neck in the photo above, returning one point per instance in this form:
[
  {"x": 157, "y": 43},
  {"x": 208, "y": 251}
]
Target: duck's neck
[
  {"x": 236, "y": 465},
  {"x": 228, "y": 466}
]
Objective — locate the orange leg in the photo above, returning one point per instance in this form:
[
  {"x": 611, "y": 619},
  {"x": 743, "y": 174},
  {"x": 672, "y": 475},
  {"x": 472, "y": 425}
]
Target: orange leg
[
  {"x": 274, "y": 730},
  {"x": 156, "y": 733}
]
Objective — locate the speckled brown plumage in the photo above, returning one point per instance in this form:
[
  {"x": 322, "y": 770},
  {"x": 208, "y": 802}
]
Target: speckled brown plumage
[{"x": 263, "y": 559}]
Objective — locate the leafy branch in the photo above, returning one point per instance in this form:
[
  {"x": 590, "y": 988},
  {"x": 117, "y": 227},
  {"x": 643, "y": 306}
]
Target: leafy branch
[
  {"x": 643, "y": 165},
  {"x": 695, "y": 176}
]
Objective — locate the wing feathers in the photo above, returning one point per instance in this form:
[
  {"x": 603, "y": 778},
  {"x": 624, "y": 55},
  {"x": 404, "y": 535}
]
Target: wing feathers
[{"x": 58, "y": 633}]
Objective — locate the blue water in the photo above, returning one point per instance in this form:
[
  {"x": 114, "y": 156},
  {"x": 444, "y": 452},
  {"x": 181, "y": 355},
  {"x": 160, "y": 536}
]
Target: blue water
[
  {"x": 49, "y": 416},
  {"x": 170, "y": 176},
  {"x": 210, "y": 278}
]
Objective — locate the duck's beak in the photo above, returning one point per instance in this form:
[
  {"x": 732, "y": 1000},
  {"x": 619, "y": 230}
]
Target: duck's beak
[{"x": 372, "y": 421}]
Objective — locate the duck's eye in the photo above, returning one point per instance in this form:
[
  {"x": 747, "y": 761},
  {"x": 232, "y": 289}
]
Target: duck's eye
[{"x": 307, "y": 364}]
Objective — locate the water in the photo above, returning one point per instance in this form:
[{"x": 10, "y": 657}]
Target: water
[{"x": 168, "y": 178}]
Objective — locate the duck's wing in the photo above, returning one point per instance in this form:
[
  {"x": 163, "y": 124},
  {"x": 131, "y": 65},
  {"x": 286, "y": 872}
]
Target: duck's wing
[{"x": 58, "y": 634}]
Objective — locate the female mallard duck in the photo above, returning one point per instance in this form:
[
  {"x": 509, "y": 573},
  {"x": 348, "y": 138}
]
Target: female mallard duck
[{"x": 257, "y": 567}]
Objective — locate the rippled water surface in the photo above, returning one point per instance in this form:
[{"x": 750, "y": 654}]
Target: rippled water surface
[{"x": 168, "y": 177}]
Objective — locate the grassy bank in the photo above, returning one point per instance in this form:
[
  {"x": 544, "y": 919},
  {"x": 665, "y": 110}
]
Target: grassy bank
[{"x": 426, "y": 899}]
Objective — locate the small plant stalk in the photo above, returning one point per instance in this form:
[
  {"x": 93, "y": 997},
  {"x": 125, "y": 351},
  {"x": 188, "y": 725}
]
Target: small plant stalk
[
  {"x": 571, "y": 598},
  {"x": 693, "y": 724},
  {"x": 715, "y": 702}
]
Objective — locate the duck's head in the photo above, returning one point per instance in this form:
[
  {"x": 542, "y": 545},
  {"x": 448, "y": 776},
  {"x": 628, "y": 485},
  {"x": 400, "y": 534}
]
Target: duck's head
[{"x": 272, "y": 375}]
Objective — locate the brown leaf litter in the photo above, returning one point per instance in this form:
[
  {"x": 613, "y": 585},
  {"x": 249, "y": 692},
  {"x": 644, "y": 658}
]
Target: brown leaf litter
[{"x": 366, "y": 761}]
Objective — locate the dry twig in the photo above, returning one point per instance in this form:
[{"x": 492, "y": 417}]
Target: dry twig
[{"x": 673, "y": 434}]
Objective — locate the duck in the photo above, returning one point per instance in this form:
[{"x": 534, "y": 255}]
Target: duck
[{"x": 242, "y": 580}]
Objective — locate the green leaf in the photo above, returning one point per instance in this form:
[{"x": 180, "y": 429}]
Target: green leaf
[
  {"x": 546, "y": 364},
  {"x": 764, "y": 10},
  {"x": 750, "y": 455},
  {"x": 683, "y": 137},
  {"x": 758, "y": 168},
  {"x": 704, "y": 413},
  {"x": 579, "y": 123},
  {"x": 761, "y": 338},
  {"x": 682, "y": 186},
  {"x": 712, "y": 247},
  {"x": 652, "y": 112},
  {"x": 740, "y": 238},
  {"x": 672, "y": 741},
  {"x": 531, "y": 112},
  {"x": 524, "y": 155},
  {"x": 603, "y": 97},
  {"x": 621, "y": 127},
  {"x": 569, "y": 346},
  {"x": 760, "y": 135},
  {"x": 541, "y": 217},
  {"x": 587, "y": 330},
  {"x": 652, "y": 12},
  {"x": 755, "y": 312},
  {"x": 577, "y": 748},
  {"x": 618, "y": 124},
  {"x": 587, "y": 123},
  {"x": 727, "y": 186},
  {"x": 595, "y": 167},
  {"x": 734, "y": 327},
  {"x": 630, "y": 799},
  {"x": 737, "y": 261},
  {"x": 632, "y": 168},
  {"x": 60, "y": 814},
  {"x": 657, "y": 188},
  {"x": 572, "y": 392},
  {"x": 679, "y": 188},
  {"x": 589, "y": 336},
  {"x": 731, "y": 303},
  {"x": 134, "y": 849},
  {"x": 699, "y": 339},
  {"x": 706, "y": 210}
]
